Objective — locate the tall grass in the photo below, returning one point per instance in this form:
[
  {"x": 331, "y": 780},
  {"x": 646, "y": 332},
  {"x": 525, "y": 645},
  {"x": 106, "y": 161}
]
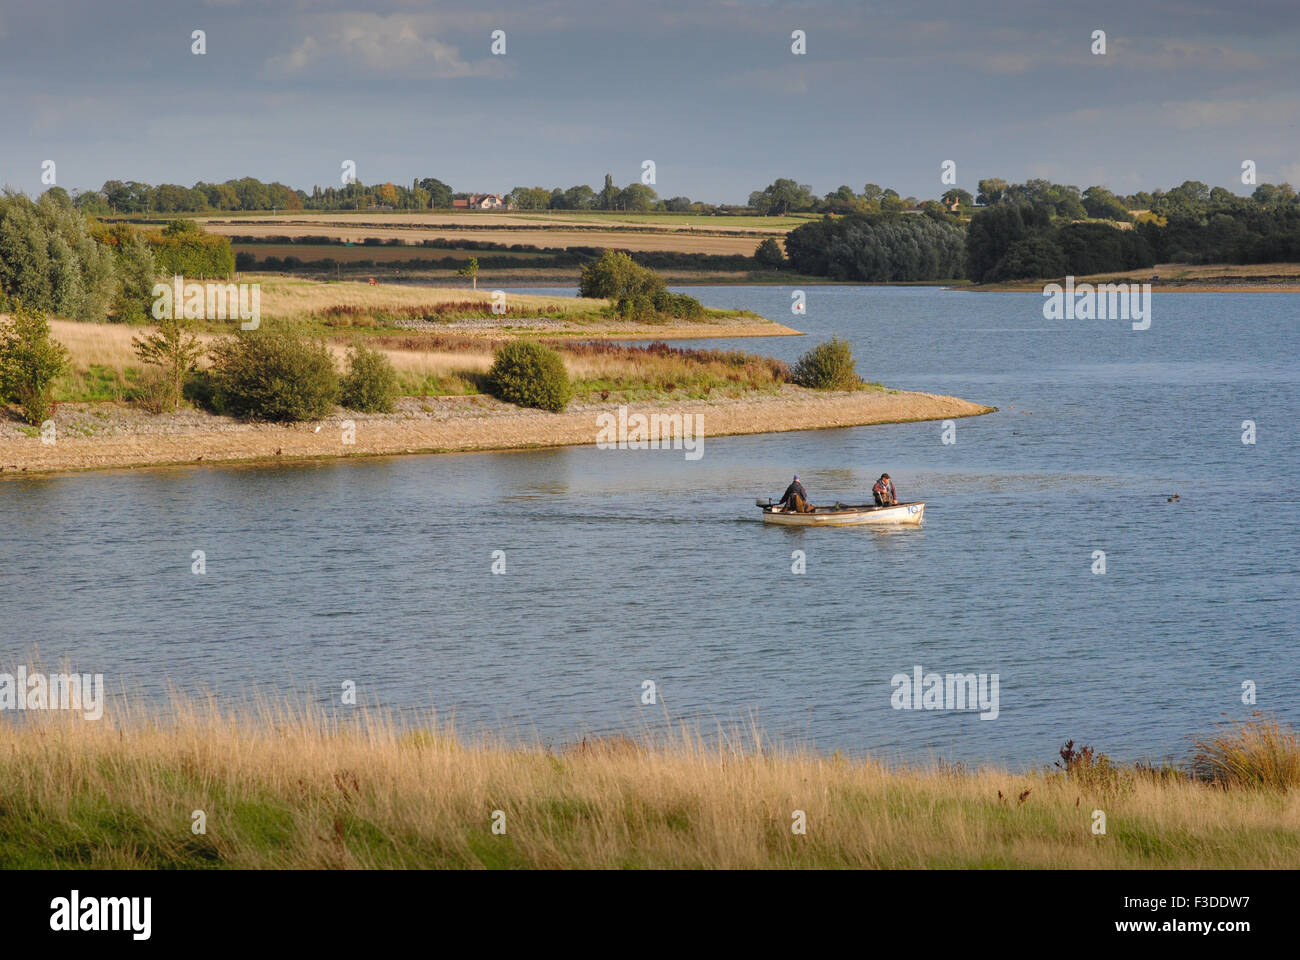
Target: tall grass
[
  {"x": 1257, "y": 753},
  {"x": 284, "y": 786}
]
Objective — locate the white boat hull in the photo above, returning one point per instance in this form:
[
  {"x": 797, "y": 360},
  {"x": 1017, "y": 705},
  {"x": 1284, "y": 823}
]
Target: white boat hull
[{"x": 908, "y": 513}]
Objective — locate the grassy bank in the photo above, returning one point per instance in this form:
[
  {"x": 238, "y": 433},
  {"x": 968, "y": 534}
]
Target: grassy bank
[
  {"x": 104, "y": 367},
  {"x": 280, "y": 788}
]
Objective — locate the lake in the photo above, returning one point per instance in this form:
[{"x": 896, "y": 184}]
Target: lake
[{"x": 628, "y": 566}]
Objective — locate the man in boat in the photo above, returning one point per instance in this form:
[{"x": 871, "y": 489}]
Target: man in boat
[
  {"x": 884, "y": 492},
  {"x": 795, "y": 497}
]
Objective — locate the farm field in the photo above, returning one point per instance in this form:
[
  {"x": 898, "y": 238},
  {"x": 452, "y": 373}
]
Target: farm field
[
  {"x": 647, "y": 240},
  {"x": 523, "y": 218}
]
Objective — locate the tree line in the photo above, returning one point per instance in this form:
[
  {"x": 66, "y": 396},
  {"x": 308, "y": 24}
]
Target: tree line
[{"x": 56, "y": 259}]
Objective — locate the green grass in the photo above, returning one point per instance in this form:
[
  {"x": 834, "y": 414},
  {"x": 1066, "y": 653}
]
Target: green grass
[{"x": 96, "y": 384}]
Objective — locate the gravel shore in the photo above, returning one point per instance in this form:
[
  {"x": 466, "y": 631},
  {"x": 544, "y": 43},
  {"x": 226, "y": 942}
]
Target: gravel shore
[{"x": 111, "y": 435}]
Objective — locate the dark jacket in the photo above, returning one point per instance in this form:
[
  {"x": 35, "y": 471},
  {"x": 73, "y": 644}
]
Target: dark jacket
[
  {"x": 884, "y": 491},
  {"x": 790, "y": 491}
]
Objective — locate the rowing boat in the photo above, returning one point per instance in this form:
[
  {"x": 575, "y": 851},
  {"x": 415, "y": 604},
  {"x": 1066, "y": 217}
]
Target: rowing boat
[{"x": 844, "y": 515}]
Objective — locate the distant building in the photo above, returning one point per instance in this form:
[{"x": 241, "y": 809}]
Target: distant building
[
  {"x": 480, "y": 201},
  {"x": 951, "y": 204}
]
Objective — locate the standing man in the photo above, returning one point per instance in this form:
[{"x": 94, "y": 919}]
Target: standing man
[
  {"x": 884, "y": 491},
  {"x": 795, "y": 497}
]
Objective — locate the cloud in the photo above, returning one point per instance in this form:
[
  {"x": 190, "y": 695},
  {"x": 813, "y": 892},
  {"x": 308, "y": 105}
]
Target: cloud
[{"x": 398, "y": 44}]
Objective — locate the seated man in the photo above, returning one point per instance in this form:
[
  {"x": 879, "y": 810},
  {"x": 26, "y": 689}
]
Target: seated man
[
  {"x": 795, "y": 497},
  {"x": 884, "y": 491}
]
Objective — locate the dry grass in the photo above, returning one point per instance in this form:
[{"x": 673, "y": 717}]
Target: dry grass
[
  {"x": 286, "y": 298},
  {"x": 1258, "y": 753},
  {"x": 289, "y": 788},
  {"x": 454, "y": 364}
]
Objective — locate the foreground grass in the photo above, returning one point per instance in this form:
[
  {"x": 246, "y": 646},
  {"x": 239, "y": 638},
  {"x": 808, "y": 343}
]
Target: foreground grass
[{"x": 285, "y": 789}]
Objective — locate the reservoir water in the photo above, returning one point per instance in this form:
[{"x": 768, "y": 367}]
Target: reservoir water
[{"x": 628, "y": 566}]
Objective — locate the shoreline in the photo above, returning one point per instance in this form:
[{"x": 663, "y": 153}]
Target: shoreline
[{"x": 98, "y": 436}]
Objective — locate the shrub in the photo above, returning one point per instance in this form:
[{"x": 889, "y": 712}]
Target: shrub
[
  {"x": 616, "y": 276},
  {"x": 154, "y": 391},
  {"x": 175, "y": 350},
  {"x": 371, "y": 382},
  {"x": 30, "y": 361},
  {"x": 678, "y": 305},
  {"x": 182, "y": 249},
  {"x": 828, "y": 366},
  {"x": 530, "y": 374},
  {"x": 639, "y": 308},
  {"x": 273, "y": 374}
]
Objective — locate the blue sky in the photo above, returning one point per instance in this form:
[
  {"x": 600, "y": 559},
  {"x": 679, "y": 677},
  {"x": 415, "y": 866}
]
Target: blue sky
[{"x": 709, "y": 90}]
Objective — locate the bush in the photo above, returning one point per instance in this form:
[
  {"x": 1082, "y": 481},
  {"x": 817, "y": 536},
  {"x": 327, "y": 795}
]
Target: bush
[
  {"x": 616, "y": 276},
  {"x": 371, "y": 383},
  {"x": 182, "y": 249},
  {"x": 154, "y": 391},
  {"x": 273, "y": 374},
  {"x": 530, "y": 374},
  {"x": 677, "y": 305},
  {"x": 828, "y": 366},
  {"x": 30, "y": 361}
]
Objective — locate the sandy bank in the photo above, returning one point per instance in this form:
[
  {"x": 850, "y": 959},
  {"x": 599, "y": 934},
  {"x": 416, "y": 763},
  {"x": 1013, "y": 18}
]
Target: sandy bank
[{"x": 107, "y": 435}]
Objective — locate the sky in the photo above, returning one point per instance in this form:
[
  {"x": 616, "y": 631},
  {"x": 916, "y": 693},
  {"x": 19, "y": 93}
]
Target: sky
[{"x": 709, "y": 90}]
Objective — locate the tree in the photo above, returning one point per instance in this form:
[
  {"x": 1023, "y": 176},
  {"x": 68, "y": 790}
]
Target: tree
[
  {"x": 842, "y": 200},
  {"x": 470, "y": 270},
  {"x": 530, "y": 198},
  {"x": 870, "y": 197},
  {"x": 770, "y": 254},
  {"x": 783, "y": 196},
  {"x": 891, "y": 202},
  {"x": 1032, "y": 257},
  {"x": 50, "y": 260},
  {"x": 638, "y": 197},
  {"x": 439, "y": 193},
  {"x": 580, "y": 197},
  {"x": 174, "y": 349},
  {"x": 30, "y": 361},
  {"x": 608, "y": 194},
  {"x": 1104, "y": 205},
  {"x": 991, "y": 232},
  {"x": 991, "y": 191}
]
